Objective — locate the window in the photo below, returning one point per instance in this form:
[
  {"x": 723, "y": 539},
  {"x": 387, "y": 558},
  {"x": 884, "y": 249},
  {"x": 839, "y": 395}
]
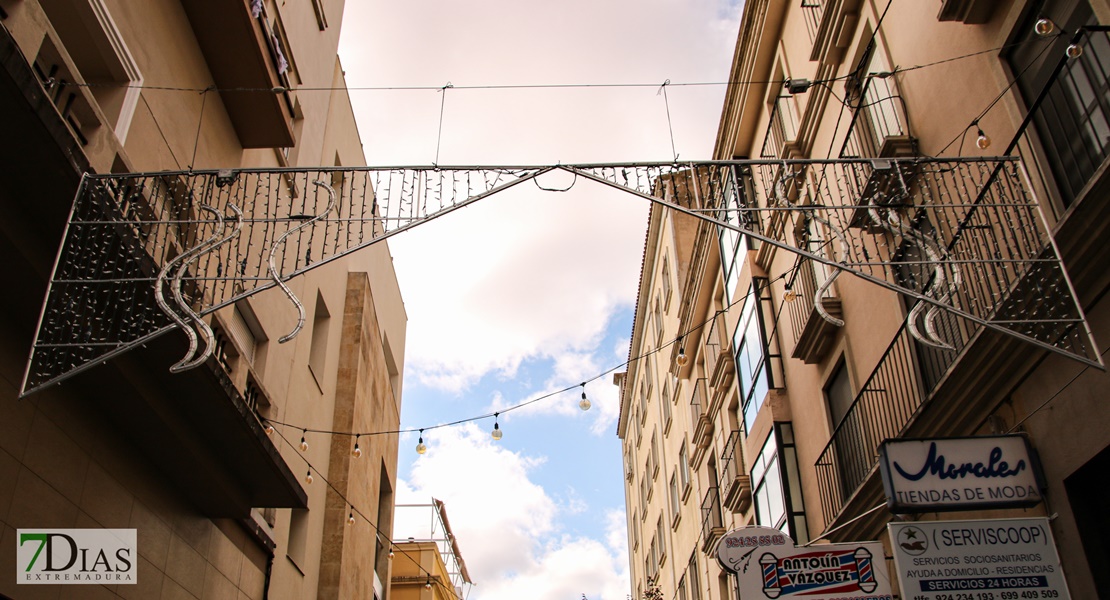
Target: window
[
  {"x": 683, "y": 469},
  {"x": 777, "y": 488},
  {"x": 665, "y": 275},
  {"x": 692, "y": 577},
  {"x": 666, "y": 402},
  {"x": 97, "y": 49},
  {"x": 1073, "y": 120},
  {"x": 654, "y": 454},
  {"x": 658, "y": 320},
  {"x": 676, "y": 504},
  {"x": 838, "y": 394},
  {"x": 317, "y": 354},
  {"x": 298, "y": 535},
  {"x": 682, "y": 588},
  {"x": 662, "y": 548},
  {"x": 751, "y": 358},
  {"x": 635, "y": 527}
]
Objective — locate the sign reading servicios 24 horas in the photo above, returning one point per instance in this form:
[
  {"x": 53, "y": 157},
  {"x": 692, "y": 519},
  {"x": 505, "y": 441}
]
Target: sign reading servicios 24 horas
[{"x": 959, "y": 473}]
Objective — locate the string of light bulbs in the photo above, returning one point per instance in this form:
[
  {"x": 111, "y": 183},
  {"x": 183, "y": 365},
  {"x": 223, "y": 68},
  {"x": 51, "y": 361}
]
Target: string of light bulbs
[
  {"x": 1045, "y": 29},
  {"x": 497, "y": 432},
  {"x": 352, "y": 512},
  {"x": 521, "y": 86}
]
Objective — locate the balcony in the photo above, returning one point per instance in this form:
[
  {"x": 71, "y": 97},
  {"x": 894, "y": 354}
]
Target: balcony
[
  {"x": 813, "y": 334},
  {"x": 718, "y": 356},
  {"x": 782, "y": 129},
  {"x": 699, "y": 419},
  {"x": 241, "y": 54},
  {"x": 879, "y": 126},
  {"x": 712, "y": 524},
  {"x": 735, "y": 484}
]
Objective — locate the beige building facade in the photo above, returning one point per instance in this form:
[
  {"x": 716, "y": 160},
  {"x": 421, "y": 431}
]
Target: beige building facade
[
  {"x": 223, "y": 506},
  {"x": 767, "y": 384}
]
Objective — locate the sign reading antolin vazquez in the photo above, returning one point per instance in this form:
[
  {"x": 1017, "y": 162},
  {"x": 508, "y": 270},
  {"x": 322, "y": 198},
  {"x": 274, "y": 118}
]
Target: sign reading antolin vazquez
[{"x": 959, "y": 473}]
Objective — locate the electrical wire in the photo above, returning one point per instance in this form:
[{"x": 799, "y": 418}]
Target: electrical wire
[
  {"x": 353, "y": 510},
  {"x": 502, "y": 411}
]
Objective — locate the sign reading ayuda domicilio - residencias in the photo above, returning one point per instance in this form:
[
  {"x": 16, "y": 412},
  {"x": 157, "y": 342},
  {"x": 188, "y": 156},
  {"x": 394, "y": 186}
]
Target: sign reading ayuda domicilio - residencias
[
  {"x": 959, "y": 473},
  {"x": 768, "y": 565}
]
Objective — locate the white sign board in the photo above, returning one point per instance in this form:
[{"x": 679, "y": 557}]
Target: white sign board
[
  {"x": 959, "y": 473},
  {"x": 768, "y": 565},
  {"x": 993, "y": 559}
]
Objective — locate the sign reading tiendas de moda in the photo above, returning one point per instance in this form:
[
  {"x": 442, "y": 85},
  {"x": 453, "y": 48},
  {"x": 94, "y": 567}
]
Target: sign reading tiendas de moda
[
  {"x": 994, "y": 559},
  {"x": 768, "y": 565},
  {"x": 959, "y": 473}
]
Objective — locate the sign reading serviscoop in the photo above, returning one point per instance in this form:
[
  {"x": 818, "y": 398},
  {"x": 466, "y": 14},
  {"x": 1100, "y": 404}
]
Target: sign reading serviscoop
[
  {"x": 993, "y": 559},
  {"x": 959, "y": 473},
  {"x": 76, "y": 556}
]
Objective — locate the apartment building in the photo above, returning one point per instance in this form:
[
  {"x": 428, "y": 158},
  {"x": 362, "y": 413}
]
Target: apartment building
[
  {"x": 220, "y": 468},
  {"x": 768, "y": 367}
]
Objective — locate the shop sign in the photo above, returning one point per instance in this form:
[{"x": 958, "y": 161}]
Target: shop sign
[
  {"x": 767, "y": 564},
  {"x": 992, "y": 559},
  {"x": 967, "y": 473}
]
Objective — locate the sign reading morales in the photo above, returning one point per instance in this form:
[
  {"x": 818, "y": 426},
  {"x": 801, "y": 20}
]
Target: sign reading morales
[
  {"x": 768, "y": 565},
  {"x": 959, "y": 473},
  {"x": 995, "y": 559}
]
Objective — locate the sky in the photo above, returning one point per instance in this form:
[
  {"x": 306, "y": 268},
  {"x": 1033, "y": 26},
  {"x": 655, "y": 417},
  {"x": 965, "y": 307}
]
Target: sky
[{"x": 527, "y": 292}]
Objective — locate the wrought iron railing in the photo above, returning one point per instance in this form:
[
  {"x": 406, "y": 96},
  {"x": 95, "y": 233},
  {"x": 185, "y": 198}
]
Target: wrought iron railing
[
  {"x": 712, "y": 521},
  {"x": 735, "y": 481},
  {"x": 718, "y": 348},
  {"x": 803, "y": 288},
  {"x": 879, "y": 117},
  {"x": 1073, "y": 116},
  {"x": 782, "y": 128}
]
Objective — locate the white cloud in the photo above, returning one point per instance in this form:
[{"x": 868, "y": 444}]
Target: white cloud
[
  {"x": 506, "y": 525},
  {"x": 528, "y": 274}
]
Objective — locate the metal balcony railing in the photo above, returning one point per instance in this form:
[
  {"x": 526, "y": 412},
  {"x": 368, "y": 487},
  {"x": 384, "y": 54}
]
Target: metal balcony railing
[
  {"x": 712, "y": 522},
  {"x": 1073, "y": 113},
  {"x": 783, "y": 128},
  {"x": 879, "y": 126},
  {"x": 718, "y": 348},
  {"x": 736, "y": 484},
  {"x": 699, "y": 416},
  {"x": 804, "y": 288}
]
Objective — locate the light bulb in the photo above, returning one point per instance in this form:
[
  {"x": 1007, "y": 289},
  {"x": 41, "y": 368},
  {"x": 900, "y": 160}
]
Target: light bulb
[
  {"x": 983, "y": 141},
  {"x": 584, "y": 403},
  {"x": 308, "y": 478},
  {"x": 420, "y": 447},
  {"x": 1074, "y": 51},
  {"x": 428, "y": 585},
  {"x": 1044, "y": 27},
  {"x": 391, "y": 554},
  {"x": 351, "y": 518},
  {"x": 304, "y": 445},
  {"x": 357, "y": 452},
  {"x": 496, "y": 433},
  {"x": 269, "y": 429},
  {"x": 789, "y": 295},
  {"x": 681, "y": 360}
]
